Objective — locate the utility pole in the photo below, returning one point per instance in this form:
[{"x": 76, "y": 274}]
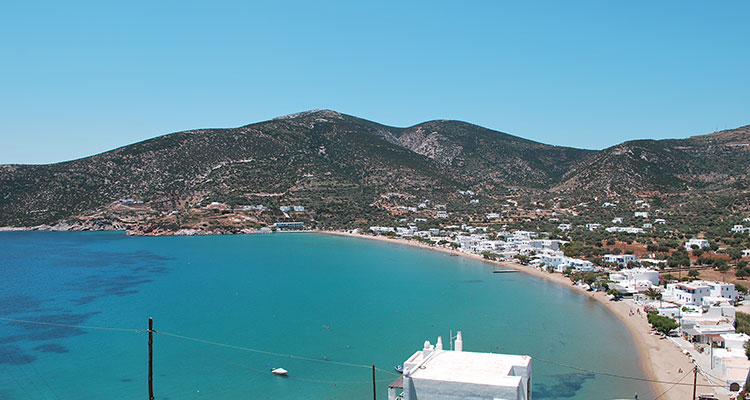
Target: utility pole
[
  {"x": 150, "y": 358},
  {"x": 374, "y": 392},
  {"x": 695, "y": 379}
]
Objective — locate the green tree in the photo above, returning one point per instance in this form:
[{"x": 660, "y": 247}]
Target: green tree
[
  {"x": 662, "y": 324},
  {"x": 615, "y": 294}
]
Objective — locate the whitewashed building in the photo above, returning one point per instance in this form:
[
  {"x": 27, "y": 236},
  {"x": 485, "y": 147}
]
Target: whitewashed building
[
  {"x": 620, "y": 260},
  {"x": 636, "y": 275},
  {"x": 438, "y": 374},
  {"x": 688, "y": 293},
  {"x": 720, "y": 289},
  {"x": 701, "y": 243}
]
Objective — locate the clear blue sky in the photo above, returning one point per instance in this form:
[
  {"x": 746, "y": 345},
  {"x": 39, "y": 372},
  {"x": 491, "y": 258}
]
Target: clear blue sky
[{"x": 78, "y": 78}]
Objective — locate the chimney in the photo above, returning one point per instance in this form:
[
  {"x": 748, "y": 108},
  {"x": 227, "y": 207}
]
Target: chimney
[
  {"x": 428, "y": 349},
  {"x": 439, "y": 344},
  {"x": 459, "y": 345}
]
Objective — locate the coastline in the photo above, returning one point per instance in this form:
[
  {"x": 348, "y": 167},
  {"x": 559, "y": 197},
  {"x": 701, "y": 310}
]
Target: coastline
[{"x": 660, "y": 359}]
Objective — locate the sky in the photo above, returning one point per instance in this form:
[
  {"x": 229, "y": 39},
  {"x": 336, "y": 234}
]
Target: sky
[{"x": 80, "y": 78}]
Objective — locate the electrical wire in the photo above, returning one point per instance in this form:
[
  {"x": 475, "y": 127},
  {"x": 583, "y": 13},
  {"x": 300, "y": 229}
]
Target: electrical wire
[
  {"x": 198, "y": 340},
  {"x": 272, "y": 353},
  {"x": 237, "y": 364},
  {"x": 23, "y": 371},
  {"x": 23, "y": 321},
  {"x": 634, "y": 378},
  {"x": 671, "y": 387},
  {"x": 13, "y": 376}
]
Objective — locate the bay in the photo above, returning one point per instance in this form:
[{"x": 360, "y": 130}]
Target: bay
[{"x": 318, "y": 297}]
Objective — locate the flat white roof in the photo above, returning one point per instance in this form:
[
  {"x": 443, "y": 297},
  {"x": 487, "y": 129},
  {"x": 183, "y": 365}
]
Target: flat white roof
[
  {"x": 469, "y": 367},
  {"x": 735, "y": 336}
]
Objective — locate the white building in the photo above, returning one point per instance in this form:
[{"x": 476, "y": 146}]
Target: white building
[
  {"x": 720, "y": 289},
  {"x": 593, "y": 227},
  {"x": 636, "y": 275},
  {"x": 625, "y": 229},
  {"x": 701, "y": 243},
  {"x": 493, "y": 216},
  {"x": 642, "y": 214},
  {"x": 564, "y": 227},
  {"x": 621, "y": 260},
  {"x": 578, "y": 265},
  {"x": 660, "y": 221},
  {"x": 299, "y": 208},
  {"x": 441, "y": 214},
  {"x": 381, "y": 229},
  {"x": 689, "y": 293},
  {"x": 739, "y": 229},
  {"x": 617, "y": 220},
  {"x": 285, "y": 208},
  {"x": 746, "y": 253},
  {"x": 437, "y": 374}
]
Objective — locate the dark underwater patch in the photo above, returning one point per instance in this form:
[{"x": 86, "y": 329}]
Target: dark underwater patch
[
  {"x": 561, "y": 386},
  {"x": 19, "y": 304},
  {"x": 49, "y": 332},
  {"x": 51, "y": 348},
  {"x": 13, "y": 355}
]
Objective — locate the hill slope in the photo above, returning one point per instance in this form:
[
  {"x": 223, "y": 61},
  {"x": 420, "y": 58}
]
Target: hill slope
[
  {"x": 344, "y": 168},
  {"x": 710, "y": 162}
]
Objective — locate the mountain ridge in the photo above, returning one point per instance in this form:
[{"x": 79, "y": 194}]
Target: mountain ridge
[{"x": 340, "y": 164}]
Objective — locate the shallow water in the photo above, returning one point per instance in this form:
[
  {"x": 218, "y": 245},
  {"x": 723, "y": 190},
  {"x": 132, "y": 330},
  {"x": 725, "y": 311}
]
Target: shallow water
[{"x": 316, "y": 296}]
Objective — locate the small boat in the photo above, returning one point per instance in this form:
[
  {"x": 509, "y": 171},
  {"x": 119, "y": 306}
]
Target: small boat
[
  {"x": 279, "y": 371},
  {"x": 399, "y": 369}
]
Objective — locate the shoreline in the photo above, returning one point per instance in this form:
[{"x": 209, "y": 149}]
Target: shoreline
[{"x": 660, "y": 360}]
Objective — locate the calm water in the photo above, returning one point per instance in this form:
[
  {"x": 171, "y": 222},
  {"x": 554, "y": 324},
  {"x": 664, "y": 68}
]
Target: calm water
[{"x": 318, "y": 296}]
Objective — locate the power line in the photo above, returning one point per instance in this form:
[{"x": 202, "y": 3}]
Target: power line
[
  {"x": 234, "y": 363},
  {"x": 10, "y": 373},
  {"x": 23, "y": 371},
  {"x": 634, "y": 378},
  {"x": 23, "y": 321},
  {"x": 602, "y": 373},
  {"x": 271, "y": 353},
  {"x": 670, "y": 388},
  {"x": 703, "y": 371}
]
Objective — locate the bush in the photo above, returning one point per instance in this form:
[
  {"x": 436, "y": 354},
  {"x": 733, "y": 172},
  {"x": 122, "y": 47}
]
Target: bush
[{"x": 662, "y": 324}]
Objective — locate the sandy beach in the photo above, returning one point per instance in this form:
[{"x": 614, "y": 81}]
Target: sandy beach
[{"x": 661, "y": 359}]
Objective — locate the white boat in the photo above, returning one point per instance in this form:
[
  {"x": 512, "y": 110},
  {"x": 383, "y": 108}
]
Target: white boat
[{"x": 279, "y": 371}]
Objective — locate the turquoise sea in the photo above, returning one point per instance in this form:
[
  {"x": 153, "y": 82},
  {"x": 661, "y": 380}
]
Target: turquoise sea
[{"x": 316, "y": 296}]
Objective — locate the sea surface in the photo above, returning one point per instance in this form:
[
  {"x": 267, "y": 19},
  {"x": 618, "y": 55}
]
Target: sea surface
[{"x": 313, "y": 296}]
